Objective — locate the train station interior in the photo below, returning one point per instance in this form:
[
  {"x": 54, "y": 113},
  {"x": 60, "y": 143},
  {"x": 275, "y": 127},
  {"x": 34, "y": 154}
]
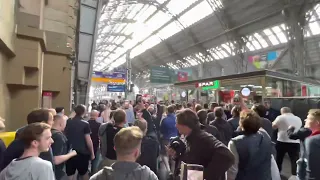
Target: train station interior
[{"x": 63, "y": 53}]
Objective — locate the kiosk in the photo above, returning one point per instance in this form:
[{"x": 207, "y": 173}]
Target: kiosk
[{"x": 258, "y": 86}]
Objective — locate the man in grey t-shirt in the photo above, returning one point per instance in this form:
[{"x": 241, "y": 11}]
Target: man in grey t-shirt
[
  {"x": 127, "y": 143},
  {"x": 29, "y": 165}
]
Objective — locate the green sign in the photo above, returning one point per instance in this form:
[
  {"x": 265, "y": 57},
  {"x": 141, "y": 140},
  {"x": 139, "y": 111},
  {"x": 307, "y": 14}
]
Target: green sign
[
  {"x": 161, "y": 75},
  {"x": 216, "y": 85}
]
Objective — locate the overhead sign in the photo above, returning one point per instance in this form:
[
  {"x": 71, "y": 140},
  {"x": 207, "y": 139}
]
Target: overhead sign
[
  {"x": 115, "y": 74},
  {"x": 209, "y": 85},
  {"x": 161, "y": 75},
  {"x": 115, "y": 88},
  {"x": 109, "y": 77}
]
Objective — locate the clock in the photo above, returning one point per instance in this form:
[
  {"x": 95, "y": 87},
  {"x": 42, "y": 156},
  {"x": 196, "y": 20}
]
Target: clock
[
  {"x": 245, "y": 92},
  {"x": 183, "y": 94}
]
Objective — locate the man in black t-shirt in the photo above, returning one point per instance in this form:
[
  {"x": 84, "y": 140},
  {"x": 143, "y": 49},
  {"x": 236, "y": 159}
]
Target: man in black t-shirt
[
  {"x": 60, "y": 147},
  {"x": 111, "y": 130},
  {"x": 94, "y": 126},
  {"x": 78, "y": 135}
]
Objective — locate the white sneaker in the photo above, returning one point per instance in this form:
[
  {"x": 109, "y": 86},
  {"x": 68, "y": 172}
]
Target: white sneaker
[{"x": 293, "y": 178}]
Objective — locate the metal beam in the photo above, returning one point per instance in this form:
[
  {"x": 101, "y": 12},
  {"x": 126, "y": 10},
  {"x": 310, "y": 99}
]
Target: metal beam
[
  {"x": 295, "y": 21},
  {"x": 86, "y": 40},
  {"x": 117, "y": 34}
]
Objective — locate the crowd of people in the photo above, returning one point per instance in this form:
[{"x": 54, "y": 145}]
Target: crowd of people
[{"x": 135, "y": 142}]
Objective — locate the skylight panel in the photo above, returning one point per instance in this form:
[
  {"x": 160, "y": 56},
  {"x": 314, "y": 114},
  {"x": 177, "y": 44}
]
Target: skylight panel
[
  {"x": 271, "y": 37},
  {"x": 169, "y": 30},
  {"x": 161, "y": 1},
  {"x": 262, "y": 41},
  {"x": 197, "y": 13},
  {"x": 227, "y": 48},
  {"x": 314, "y": 28},
  {"x": 120, "y": 39},
  {"x": 256, "y": 45},
  {"x": 219, "y": 54},
  {"x": 134, "y": 10},
  {"x": 276, "y": 29},
  {"x": 268, "y": 32},
  {"x": 218, "y": 3},
  {"x": 282, "y": 37},
  {"x": 250, "y": 46},
  {"x": 144, "y": 15},
  {"x": 176, "y": 7},
  {"x": 215, "y": 56},
  {"x": 157, "y": 20},
  {"x": 224, "y": 54},
  {"x": 283, "y": 26}
]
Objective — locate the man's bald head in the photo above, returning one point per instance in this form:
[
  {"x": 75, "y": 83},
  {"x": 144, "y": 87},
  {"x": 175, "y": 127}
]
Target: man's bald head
[
  {"x": 59, "y": 122},
  {"x": 94, "y": 114},
  {"x": 285, "y": 110}
]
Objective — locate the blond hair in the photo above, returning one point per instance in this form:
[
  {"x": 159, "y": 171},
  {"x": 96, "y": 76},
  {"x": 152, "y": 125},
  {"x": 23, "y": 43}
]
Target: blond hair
[
  {"x": 315, "y": 113},
  {"x": 127, "y": 140},
  {"x": 142, "y": 124}
]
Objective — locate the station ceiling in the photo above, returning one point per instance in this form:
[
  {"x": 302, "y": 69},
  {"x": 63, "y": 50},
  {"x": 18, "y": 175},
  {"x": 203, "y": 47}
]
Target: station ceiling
[{"x": 181, "y": 35}]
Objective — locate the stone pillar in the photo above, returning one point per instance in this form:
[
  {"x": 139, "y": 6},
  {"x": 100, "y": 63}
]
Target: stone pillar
[{"x": 35, "y": 58}]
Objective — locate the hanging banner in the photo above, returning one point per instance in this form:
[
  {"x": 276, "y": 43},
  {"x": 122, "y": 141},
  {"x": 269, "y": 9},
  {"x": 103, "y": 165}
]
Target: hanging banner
[{"x": 264, "y": 61}]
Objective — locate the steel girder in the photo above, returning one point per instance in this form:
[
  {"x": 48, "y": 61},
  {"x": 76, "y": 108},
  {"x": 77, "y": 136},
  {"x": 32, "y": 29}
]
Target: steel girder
[
  {"x": 227, "y": 24},
  {"x": 89, "y": 13},
  {"x": 296, "y": 21}
]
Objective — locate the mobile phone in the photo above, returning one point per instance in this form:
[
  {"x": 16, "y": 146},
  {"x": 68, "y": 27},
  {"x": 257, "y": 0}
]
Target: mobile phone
[
  {"x": 192, "y": 171},
  {"x": 138, "y": 98}
]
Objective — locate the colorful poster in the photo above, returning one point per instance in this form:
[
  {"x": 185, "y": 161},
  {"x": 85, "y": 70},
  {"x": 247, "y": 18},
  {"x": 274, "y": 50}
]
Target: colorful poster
[
  {"x": 264, "y": 61},
  {"x": 182, "y": 76}
]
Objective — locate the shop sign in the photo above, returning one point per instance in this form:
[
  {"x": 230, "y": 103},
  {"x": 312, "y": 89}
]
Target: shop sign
[{"x": 209, "y": 85}]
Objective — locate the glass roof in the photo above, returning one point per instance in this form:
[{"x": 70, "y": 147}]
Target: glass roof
[
  {"x": 152, "y": 26},
  {"x": 265, "y": 38},
  {"x": 140, "y": 26}
]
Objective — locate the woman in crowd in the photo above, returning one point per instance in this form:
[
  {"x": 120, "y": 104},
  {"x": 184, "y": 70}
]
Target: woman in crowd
[{"x": 252, "y": 150}]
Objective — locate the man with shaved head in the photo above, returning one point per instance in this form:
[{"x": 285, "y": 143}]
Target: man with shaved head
[
  {"x": 149, "y": 147},
  {"x": 284, "y": 143},
  {"x": 94, "y": 126},
  {"x": 60, "y": 146}
]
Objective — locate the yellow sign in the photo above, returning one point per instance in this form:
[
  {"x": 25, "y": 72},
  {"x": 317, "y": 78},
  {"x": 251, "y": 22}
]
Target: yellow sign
[
  {"x": 7, "y": 137},
  {"x": 107, "y": 80}
]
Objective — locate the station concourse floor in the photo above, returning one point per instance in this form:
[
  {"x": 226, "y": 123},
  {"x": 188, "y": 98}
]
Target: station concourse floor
[{"x": 286, "y": 170}]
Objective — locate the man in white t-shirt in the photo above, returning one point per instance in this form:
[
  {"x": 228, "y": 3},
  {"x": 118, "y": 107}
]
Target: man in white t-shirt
[{"x": 284, "y": 144}]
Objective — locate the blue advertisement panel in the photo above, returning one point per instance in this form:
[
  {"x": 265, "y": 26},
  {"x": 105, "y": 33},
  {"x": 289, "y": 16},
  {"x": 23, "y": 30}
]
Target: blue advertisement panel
[
  {"x": 115, "y": 88},
  {"x": 116, "y": 74}
]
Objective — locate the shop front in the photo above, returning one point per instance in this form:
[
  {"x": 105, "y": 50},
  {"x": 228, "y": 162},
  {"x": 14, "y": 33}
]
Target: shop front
[{"x": 253, "y": 87}]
